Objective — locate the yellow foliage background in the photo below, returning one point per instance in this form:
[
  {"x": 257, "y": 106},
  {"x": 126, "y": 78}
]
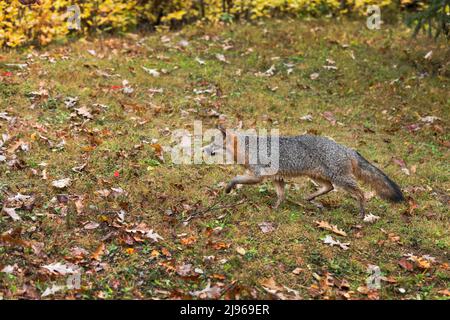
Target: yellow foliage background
[{"x": 47, "y": 21}]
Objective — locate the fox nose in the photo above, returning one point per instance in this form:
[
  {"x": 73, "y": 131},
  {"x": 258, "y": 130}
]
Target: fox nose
[{"x": 213, "y": 153}]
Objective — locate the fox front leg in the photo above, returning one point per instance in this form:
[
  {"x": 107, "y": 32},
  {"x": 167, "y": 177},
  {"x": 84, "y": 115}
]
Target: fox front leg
[
  {"x": 242, "y": 180},
  {"x": 279, "y": 187}
]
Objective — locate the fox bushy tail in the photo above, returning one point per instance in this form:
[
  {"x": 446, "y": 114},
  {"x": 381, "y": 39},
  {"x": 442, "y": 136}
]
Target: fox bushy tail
[{"x": 383, "y": 185}]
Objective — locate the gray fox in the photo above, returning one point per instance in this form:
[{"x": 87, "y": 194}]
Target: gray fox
[{"x": 326, "y": 162}]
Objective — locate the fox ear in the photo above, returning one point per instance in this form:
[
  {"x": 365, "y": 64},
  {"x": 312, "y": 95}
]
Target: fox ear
[{"x": 223, "y": 130}]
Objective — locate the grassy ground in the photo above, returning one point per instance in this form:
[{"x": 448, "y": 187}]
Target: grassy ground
[{"x": 379, "y": 95}]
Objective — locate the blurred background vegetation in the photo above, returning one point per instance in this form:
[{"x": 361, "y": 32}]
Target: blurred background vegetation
[{"x": 40, "y": 22}]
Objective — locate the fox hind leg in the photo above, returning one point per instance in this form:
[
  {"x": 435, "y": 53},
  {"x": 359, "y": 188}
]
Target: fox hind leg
[
  {"x": 248, "y": 179},
  {"x": 325, "y": 187},
  {"x": 351, "y": 186}
]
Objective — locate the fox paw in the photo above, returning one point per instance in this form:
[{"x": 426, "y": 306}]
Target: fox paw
[
  {"x": 275, "y": 206},
  {"x": 229, "y": 187},
  {"x": 318, "y": 205}
]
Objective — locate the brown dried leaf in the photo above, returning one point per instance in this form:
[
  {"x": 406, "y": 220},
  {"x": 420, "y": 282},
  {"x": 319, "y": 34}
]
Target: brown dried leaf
[
  {"x": 325, "y": 225},
  {"x": 99, "y": 252},
  {"x": 405, "y": 264}
]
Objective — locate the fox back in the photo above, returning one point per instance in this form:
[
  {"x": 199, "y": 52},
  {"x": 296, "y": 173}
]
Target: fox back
[{"x": 299, "y": 155}]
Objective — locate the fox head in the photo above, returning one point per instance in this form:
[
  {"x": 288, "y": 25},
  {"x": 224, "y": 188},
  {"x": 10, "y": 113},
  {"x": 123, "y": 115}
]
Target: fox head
[
  {"x": 245, "y": 148},
  {"x": 224, "y": 143}
]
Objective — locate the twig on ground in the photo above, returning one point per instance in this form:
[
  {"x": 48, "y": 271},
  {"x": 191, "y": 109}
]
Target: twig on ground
[
  {"x": 295, "y": 202},
  {"x": 211, "y": 208}
]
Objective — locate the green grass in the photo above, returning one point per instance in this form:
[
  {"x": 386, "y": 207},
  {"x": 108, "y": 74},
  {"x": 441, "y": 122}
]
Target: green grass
[{"x": 376, "y": 93}]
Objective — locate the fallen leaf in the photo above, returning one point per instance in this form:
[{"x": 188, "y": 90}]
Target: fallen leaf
[
  {"x": 183, "y": 43},
  {"x": 428, "y": 55},
  {"x": 153, "y": 236},
  {"x": 423, "y": 263},
  {"x": 12, "y": 213},
  {"x": 200, "y": 61},
  {"x": 314, "y": 76},
  {"x": 103, "y": 193},
  {"x": 266, "y": 227},
  {"x": 62, "y": 183},
  {"x": 270, "y": 72},
  {"x": 60, "y": 268},
  {"x": 400, "y": 162},
  {"x": 221, "y": 58},
  {"x": 371, "y": 294},
  {"x": 270, "y": 284},
  {"x": 445, "y": 292},
  {"x": 297, "y": 271},
  {"x": 8, "y": 269},
  {"x": 4, "y": 116},
  {"x": 79, "y": 206},
  {"x": 405, "y": 264},
  {"x": 99, "y": 252},
  {"x": 165, "y": 39},
  {"x": 184, "y": 270},
  {"x": 220, "y": 245},
  {"x": 330, "y": 117},
  {"x": 84, "y": 112},
  {"x": 52, "y": 290},
  {"x": 199, "y": 271},
  {"x": 188, "y": 240},
  {"x": 91, "y": 225},
  {"x": 218, "y": 276},
  {"x": 329, "y": 240},
  {"x": 152, "y": 72},
  {"x": 12, "y": 237},
  {"x": 126, "y": 88},
  {"x": 329, "y": 67},
  {"x": 71, "y": 102},
  {"x": 308, "y": 117},
  {"x": 429, "y": 119},
  {"x": 370, "y": 218},
  {"x": 393, "y": 237},
  {"x": 209, "y": 292},
  {"x": 326, "y": 226}
]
